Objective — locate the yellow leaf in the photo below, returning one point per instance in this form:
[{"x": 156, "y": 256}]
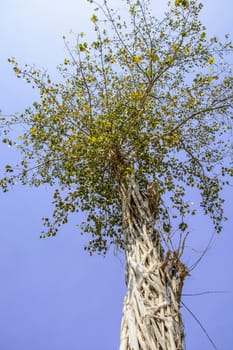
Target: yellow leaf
[
  {"x": 16, "y": 70},
  {"x": 137, "y": 59},
  {"x": 94, "y": 18},
  {"x": 211, "y": 60},
  {"x": 136, "y": 94},
  {"x": 183, "y": 3},
  {"x": 82, "y": 47},
  {"x": 88, "y": 108},
  {"x": 203, "y": 35}
]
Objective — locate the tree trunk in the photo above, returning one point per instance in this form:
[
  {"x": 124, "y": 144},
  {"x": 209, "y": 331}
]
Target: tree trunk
[{"x": 151, "y": 314}]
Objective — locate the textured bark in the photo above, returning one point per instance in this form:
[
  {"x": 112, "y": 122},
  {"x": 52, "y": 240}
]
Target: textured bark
[{"x": 151, "y": 314}]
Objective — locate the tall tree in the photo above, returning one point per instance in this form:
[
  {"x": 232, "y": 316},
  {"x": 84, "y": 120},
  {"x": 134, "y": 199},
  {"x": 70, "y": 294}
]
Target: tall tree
[{"x": 141, "y": 119}]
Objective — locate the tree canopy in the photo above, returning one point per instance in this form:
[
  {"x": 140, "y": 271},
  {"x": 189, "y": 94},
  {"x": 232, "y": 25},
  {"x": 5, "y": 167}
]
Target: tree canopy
[{"x": 147, "y": 97}]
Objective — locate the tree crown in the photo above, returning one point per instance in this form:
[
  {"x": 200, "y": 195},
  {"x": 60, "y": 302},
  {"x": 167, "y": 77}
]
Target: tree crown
[{"x": 147, "y": 97}]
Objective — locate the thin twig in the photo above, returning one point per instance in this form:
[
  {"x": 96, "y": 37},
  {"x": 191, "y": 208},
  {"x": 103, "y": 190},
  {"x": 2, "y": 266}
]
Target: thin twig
[
  {"x": 203, "y": 254},
  {"x": 207, "y": 292},
  {"x": 200, "y": 324}
]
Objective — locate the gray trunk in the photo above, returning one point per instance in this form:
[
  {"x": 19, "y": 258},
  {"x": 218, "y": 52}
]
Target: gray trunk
[{"x": 151, "y": 314}]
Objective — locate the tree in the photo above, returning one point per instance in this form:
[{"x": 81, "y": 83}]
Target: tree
[{"x": 141, "y": 119}]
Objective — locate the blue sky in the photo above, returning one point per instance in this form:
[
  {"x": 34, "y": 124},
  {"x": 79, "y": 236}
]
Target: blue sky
[{"x": 53, "y": 296}]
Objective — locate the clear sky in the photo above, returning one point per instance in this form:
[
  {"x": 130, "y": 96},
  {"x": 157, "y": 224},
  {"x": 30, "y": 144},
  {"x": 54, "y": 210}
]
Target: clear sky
[{"x": 53, "y": 296}]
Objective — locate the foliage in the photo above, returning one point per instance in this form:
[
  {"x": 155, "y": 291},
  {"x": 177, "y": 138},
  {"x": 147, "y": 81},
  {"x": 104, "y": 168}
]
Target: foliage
[{"x": 152, "y": 97}]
